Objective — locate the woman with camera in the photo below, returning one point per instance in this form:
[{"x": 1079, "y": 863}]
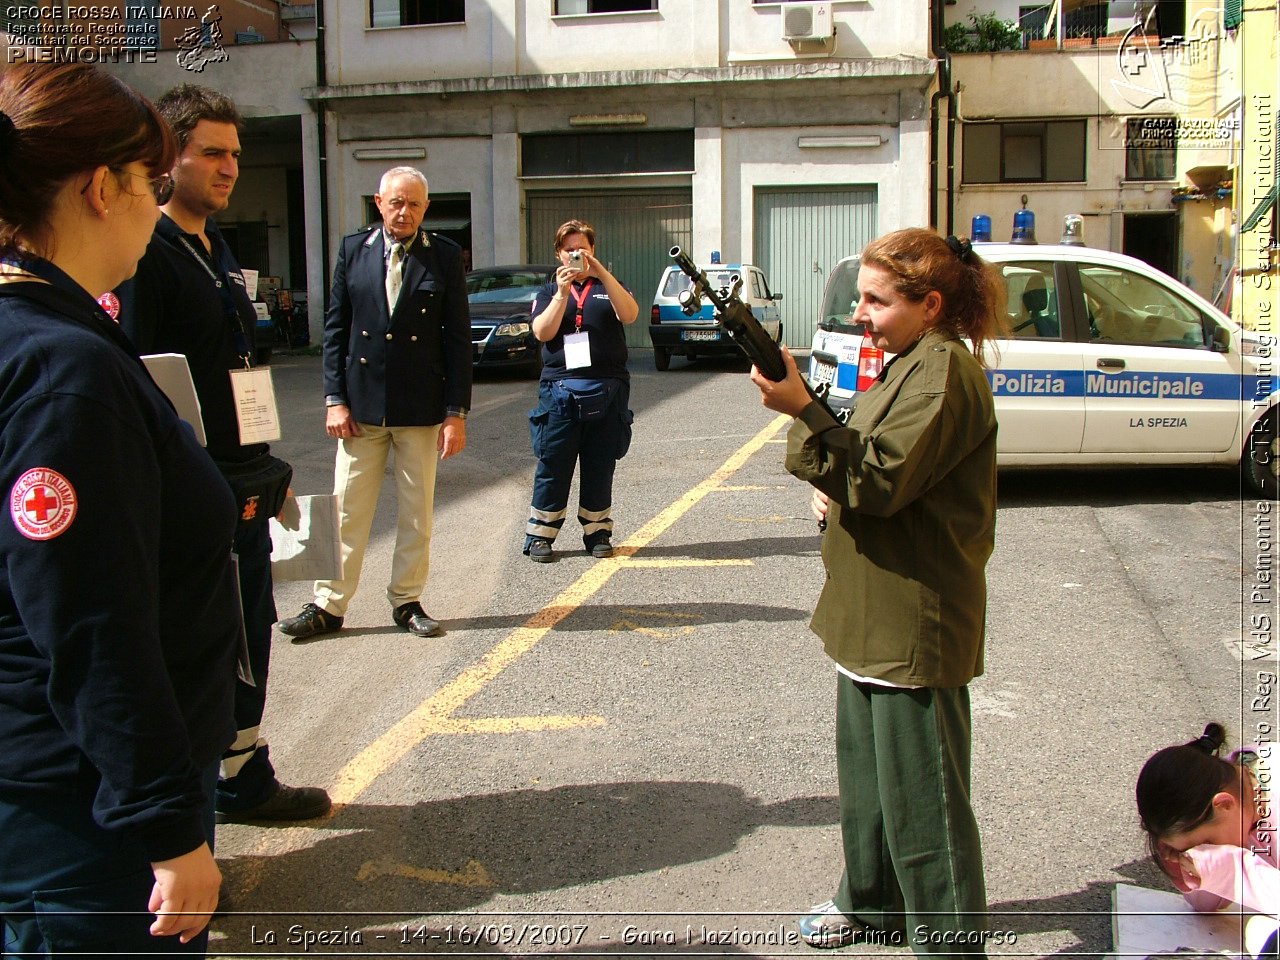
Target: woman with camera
[
  {"x": 118, "y": 609},
  {"x": 582, "y": 415}
]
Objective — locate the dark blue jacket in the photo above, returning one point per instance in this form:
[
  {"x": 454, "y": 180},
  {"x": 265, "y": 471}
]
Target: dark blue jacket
[
  {"x": 402, "y": 369},
  {"x": 172, "y": 306},
  {"x": 118, "y": 607}
]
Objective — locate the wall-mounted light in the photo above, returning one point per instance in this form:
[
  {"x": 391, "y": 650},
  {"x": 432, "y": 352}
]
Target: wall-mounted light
[
  {"x": 608, "y": 119},
  {"x": 390, "y": 153},
  {"x": 868, "y": 140}
]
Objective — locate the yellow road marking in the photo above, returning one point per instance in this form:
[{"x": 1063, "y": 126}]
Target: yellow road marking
[
  {"x": 472, "y": 875},
  {"x": 435, "y": 715}
]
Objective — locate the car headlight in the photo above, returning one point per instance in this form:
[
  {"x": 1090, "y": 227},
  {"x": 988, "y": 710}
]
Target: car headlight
[{"x": 512, "y": 330}]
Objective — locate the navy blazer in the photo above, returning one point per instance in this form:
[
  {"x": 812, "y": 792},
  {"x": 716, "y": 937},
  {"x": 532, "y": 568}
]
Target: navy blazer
[{"x": 400, "y": 369}]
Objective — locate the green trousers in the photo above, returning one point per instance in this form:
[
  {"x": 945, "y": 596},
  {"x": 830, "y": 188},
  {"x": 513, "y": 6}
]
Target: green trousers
[{"x": 913, "y": 858}]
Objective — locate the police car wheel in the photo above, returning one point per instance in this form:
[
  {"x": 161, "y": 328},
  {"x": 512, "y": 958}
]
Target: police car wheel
[
  {"x": 661, "y": 358},
  {"x": 1260, "y": 462}
]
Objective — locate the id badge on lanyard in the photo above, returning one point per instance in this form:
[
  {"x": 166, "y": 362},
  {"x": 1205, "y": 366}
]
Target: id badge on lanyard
[
  {"x": 252, "y": 389},
  {"x": 577, "y": 346},
  {"x": 254, "y": 393}
]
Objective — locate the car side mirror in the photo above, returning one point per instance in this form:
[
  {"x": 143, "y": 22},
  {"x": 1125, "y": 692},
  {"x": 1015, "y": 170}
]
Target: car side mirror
[{"x": 1221, "y": 342}]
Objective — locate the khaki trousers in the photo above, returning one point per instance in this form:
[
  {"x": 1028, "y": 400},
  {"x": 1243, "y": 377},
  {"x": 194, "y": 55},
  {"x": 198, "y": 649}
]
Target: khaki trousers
[{"x": 357, "y": 480}]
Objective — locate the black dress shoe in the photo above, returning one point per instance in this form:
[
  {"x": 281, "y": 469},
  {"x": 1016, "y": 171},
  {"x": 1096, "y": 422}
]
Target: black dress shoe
[
  {"x": 286, "y": 804},
  {"x": 413, "y": 618},
  {"x": 310, "y": 622}
]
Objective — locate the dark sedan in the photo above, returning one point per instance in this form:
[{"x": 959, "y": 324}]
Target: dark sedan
[{"x": 500, "y": 299}]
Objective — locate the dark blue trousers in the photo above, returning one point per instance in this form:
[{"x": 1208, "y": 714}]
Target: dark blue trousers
[
  {"x": 561, "y": 441},
  {"x": 70, "y": 888},
  {"x": 248, "y": 778}
]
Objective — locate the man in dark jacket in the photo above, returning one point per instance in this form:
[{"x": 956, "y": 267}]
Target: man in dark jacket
[
  {"x": 189, "y": 296},
  {"x": 397, "y": 376}
]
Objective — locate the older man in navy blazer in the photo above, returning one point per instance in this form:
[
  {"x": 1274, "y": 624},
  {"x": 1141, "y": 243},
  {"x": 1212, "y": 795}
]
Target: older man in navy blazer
[{"x": 397, "y": 377}]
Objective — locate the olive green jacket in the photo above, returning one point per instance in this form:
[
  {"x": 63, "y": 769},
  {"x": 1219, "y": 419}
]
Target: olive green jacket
[{"x": 912, "y": 482}]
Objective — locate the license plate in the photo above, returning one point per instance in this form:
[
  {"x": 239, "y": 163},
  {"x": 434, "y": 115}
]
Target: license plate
[
  {"x": 823, "y": 372},
  {"x": 699, "y": 334}
]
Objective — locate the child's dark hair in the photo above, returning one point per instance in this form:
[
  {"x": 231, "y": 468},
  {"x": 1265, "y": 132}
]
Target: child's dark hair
[{"x": 1177, "y": 785}]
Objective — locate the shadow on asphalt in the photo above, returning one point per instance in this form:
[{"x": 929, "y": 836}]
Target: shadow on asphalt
[
  {"x": 591, "y": 619},
  {"x": 1119, "y": 487},
  {"x": 394, "y": 863},
  {"x": 1086, "y": 914}
]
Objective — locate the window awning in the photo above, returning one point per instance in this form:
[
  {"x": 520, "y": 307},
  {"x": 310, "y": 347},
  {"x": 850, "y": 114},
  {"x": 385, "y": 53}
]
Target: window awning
[{"x": 1260, "y": 210}]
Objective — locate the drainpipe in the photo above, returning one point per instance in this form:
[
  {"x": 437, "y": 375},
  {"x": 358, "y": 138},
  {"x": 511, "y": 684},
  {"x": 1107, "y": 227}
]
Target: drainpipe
[
  {"x": 944, "y": 91},
  {"x": 322, "y": 148}
]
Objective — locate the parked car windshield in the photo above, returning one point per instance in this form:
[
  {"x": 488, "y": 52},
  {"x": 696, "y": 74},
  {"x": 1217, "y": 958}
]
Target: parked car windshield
[
  {"x": 841, "y": 298},
  {"x": 677, "y": 281},
  {"x": 504, "y": 286}
]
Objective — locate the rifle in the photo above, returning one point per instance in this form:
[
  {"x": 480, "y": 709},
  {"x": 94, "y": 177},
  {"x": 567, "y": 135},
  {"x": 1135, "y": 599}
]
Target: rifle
[{"x": 742, "y": 325}]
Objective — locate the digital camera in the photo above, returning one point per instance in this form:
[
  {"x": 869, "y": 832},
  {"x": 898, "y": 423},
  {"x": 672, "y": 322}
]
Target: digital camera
[{"x": 577, "y": 261}]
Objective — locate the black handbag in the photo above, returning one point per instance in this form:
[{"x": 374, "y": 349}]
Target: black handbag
[{"x": 259, "y": 485}]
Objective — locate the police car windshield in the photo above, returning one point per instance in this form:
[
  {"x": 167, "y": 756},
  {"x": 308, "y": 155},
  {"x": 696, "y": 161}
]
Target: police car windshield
[
  {"x": 677, "y": 281},
  {"x": 840, "y": 298}
]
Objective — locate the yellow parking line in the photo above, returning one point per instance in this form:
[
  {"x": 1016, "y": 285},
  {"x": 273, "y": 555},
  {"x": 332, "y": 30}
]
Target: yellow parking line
[{"x": 435, "y": 714}]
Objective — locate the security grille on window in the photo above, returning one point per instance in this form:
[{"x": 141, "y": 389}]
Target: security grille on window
[
  {"x": 1024, "y": 152},
  {"x": 567, "y": 7},
  {"x": 1151, "y": 149},
  {"x": 405, "y": 13}
]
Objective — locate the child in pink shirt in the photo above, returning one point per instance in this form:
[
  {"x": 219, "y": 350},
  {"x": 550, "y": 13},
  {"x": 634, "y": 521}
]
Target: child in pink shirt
[{"x": 1209, "y": 828}]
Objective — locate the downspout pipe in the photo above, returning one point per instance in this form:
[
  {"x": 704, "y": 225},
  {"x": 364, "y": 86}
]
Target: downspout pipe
[
  {"x": 944, "y": 92},
  {"x": 322, "y": 149}
]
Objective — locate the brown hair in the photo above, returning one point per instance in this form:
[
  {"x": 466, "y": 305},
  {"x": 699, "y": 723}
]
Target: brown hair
[
  {"x": 575, "y": 226},
  {"x": 1177, "y": 785},
  {"x": 973, "y": 293},
  {"x": 185, "y": 106},
  {"x": 61, "y": 119}
]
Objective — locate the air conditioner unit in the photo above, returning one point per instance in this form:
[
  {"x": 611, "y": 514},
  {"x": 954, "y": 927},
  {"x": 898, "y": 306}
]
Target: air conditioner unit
[{"x": 806, "y": 21}]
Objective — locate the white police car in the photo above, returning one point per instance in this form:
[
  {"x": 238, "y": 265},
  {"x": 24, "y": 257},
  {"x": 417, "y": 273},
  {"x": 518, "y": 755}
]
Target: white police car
[
  {"x": 672, "y": 332},
  {"x": 1109, "y": 361}
]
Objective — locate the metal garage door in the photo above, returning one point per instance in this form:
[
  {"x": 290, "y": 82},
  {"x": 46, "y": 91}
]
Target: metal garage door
[
  {"x": 634, "y": 231},
  {"x": 799, "y": 234}
]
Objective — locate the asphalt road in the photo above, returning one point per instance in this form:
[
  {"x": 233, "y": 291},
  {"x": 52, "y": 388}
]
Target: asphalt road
[{"x": 635, "y": 756}]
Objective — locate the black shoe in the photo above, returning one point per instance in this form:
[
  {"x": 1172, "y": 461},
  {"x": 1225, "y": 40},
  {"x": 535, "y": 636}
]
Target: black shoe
[
  {"x": 540, "y": 551},
  {"x": 311, "y": 622},
  {"x": 413, "y": 618},
  {"x": 602, "y": 550},
  {"x": 286, "y": 804}
]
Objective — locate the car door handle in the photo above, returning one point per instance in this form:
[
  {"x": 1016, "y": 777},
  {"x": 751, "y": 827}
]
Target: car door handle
[{"x": 1110, "y": 363}]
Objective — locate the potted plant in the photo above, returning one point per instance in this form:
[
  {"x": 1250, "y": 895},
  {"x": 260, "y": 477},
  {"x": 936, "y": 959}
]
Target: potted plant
[{"x": 984, "y": 33}]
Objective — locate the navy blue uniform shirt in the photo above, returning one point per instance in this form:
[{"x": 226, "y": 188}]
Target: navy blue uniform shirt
[
  {"x": 607, "y": 336},
  {"x": 118, "y": 616}
]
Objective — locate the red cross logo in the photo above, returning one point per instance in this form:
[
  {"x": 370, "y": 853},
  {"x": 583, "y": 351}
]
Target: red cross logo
[{"x": 42, "y": 504}]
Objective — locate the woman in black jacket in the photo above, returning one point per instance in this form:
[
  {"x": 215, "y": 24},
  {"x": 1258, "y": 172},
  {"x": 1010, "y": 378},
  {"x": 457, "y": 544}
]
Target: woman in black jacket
[{"x": 118, "y": 620}]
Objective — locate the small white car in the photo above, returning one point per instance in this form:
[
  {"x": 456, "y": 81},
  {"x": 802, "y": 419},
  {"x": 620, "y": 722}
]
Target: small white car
[
  {"x": 1109, "y": 361},
  {"x": 672, "y": 332}
]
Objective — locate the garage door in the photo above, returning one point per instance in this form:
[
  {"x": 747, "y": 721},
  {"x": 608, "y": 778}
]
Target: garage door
[
  {"x": 634, "y": 231},
  {"x": 799, "y": 234}
]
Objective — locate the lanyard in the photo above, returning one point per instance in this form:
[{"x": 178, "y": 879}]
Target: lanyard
[
  {"x": 228, "y": 302},
  {"x": 580, "y": 301}
]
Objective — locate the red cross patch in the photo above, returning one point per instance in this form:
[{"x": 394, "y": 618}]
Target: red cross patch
[
  {"x": 110, "y": 303},
  {"x": 42, "y": 504}
]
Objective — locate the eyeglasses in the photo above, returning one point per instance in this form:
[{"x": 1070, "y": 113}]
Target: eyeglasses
[{"x": 161, "y": 186}]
